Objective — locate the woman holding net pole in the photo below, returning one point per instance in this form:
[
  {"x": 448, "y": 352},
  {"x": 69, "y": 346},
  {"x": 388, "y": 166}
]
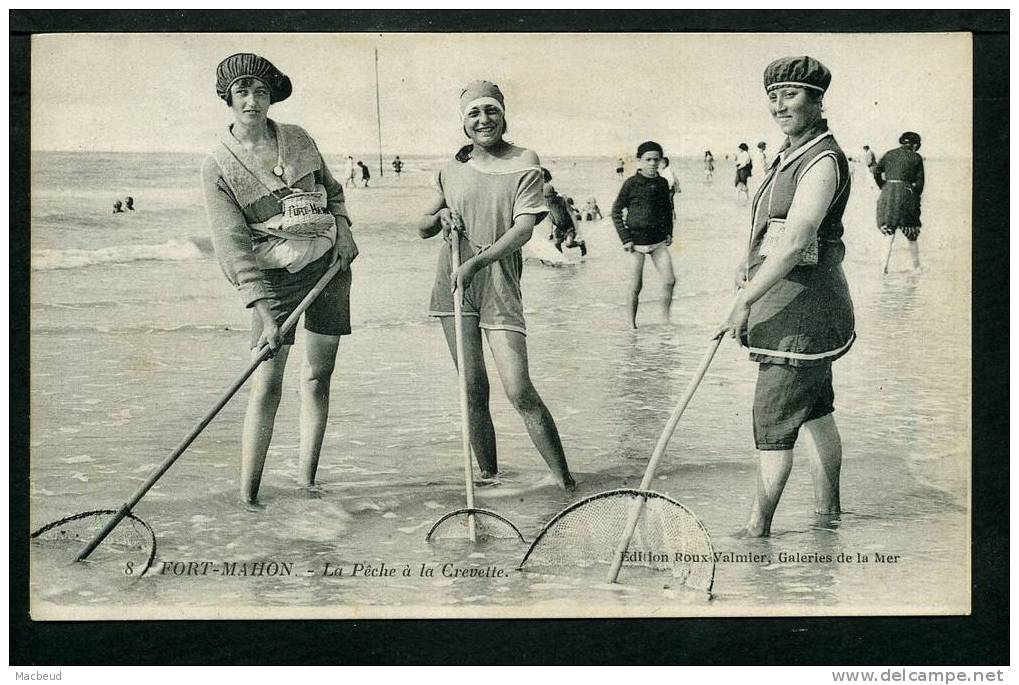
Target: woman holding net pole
[
  {"x": 793, "y": 310},
  {"x": 278, "y": 223},
  {"x": 493, "y": 190}
]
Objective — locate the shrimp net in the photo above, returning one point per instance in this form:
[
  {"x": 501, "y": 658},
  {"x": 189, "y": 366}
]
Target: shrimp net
[
  {"x": 488, "y": 525},
  {"x": 669, "y": 548},
  {"x": 131, "y": 546}
]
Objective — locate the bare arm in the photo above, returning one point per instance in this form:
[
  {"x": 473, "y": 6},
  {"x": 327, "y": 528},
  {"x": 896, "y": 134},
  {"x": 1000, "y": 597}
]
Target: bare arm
[
  {"x": 813, "y": 197},
  {"x": 619, "y": 217},
  {"x": 345, "y": 248},
  {"x": 430, "y": 222},
  {"x": 508, "y": 243}
]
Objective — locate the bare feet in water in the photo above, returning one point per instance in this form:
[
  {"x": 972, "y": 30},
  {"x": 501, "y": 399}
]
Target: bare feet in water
[{"x": 750, "y": 531}]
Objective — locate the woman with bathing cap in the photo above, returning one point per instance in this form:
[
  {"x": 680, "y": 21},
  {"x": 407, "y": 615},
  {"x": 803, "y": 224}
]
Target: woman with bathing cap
[
  {"x": 495, "y": 189},
  {"x": 793, "y": 309},
  {"x": 899, "y": 175},
  {"x": 274, "y": 257}
]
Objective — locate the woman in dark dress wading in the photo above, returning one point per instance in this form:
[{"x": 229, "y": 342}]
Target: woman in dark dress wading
[
  {"x": 899, "y": 175},
  {"x": 793, "y": 310}
]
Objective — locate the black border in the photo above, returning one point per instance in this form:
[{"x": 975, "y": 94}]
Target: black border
[{"x": 978, "y": 639}]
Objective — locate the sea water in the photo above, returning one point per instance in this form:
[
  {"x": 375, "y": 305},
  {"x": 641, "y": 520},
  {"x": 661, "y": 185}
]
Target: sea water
[{"x": 135, "y": 333}]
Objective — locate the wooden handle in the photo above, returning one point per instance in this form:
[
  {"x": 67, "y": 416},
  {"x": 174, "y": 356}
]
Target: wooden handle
[
  {"x": 465, "y": 424},
  {"x": 649, "y": 473}
]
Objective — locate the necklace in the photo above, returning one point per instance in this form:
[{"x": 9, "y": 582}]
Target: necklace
[{"x": 276, "y": 170}]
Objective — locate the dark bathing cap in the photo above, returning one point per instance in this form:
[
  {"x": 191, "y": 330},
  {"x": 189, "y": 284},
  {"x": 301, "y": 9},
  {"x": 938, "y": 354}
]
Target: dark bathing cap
[
  {"x": 248, "y": 65},
  {"x": 805, "y": 72},
  {"x": 649, "y": 146},
  {"x": 909, "y": 138}
]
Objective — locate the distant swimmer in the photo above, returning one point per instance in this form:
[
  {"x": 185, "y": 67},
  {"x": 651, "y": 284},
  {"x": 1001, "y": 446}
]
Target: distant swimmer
[
  {"x": 118, "y": 208},
  {"x": 620, "y": 167},
  {"x": 129, "y": 203},
  {"x": 591, "y": 211},
  {"x": 709, "y": 166},
  {"x": 642, "y": 214},
  {"x": 899, "y": 175},
  {"x": 744, "y": 169},
  {"x": 366, "y": 175},
  {"x": 397, "y": 166}
]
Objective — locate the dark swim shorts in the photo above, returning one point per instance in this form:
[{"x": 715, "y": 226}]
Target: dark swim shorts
[
  {"x": 787, "y": 397},
  {"x": 329, "y": 314},
  {"x": 911, "y": 232}
]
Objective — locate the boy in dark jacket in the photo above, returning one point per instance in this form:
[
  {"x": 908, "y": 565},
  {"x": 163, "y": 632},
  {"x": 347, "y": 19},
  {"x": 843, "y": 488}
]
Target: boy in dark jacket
[{"x": 642, "y": 214}]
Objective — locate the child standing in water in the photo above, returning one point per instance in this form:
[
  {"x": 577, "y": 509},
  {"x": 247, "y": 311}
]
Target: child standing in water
[{"x": 642, "y": 214}]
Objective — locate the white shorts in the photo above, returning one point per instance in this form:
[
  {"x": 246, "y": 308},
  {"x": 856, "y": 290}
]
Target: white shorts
[{"x": 648, "y": 249}]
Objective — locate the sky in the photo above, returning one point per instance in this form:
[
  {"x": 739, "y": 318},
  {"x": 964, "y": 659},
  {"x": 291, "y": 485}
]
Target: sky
[{"x": 566, "y": 94}]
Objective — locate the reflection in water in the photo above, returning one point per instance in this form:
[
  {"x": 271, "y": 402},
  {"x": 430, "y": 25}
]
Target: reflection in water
[{"x": 645, "y": 388}]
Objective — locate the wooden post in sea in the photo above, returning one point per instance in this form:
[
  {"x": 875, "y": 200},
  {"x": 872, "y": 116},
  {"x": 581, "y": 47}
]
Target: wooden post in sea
[{"x": 378, "y": 108}]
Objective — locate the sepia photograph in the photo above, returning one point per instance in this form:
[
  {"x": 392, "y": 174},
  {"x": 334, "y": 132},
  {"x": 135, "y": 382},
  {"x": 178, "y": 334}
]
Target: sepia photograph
[{"x": 472, "y": 325}]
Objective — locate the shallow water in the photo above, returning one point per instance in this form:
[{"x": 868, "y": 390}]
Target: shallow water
[{"x": 129, "y": 351}]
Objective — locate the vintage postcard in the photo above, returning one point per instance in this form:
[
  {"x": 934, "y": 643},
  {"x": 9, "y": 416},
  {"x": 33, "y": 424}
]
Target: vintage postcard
[{"x": 564, "y": 217}]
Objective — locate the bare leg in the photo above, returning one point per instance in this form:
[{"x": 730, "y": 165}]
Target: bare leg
[
  {"x": 825, "y": 463},
  {"x": 773, "y": 471},
  {"x": 914, "y": 252},
  {"x": 663, "y": 262},
  {"x": 482, "y": 430},
  {"x": 636, "y": 283},
  {"x": 316, "y": 373},
  {"x": 264, "y": 400},
  {"x": 510, "y": 351},
  {"x": 888, "y": 254}
]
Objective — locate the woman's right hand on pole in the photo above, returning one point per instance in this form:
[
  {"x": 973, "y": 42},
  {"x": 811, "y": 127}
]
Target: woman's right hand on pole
[
  {"x": 735, "y": 321},
  {"x": 271, "y": 334},
  {"x": 447, "y": 222},
  {"x": 628, "y": 247}
]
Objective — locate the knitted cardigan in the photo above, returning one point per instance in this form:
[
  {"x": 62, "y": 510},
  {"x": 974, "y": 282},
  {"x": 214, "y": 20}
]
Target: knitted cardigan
[{"x": 234, "y": 198}]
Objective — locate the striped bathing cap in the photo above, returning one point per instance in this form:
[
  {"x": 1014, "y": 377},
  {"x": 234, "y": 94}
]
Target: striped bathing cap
[
  {"x": 248, "y": 65},
  {"x": 805, "y": 72}
]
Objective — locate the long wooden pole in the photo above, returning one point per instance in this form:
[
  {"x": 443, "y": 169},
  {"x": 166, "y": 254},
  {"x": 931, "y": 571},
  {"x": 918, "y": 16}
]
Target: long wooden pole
[
  {"x": 378, "y": 109},
  {"x": 663, "y": 441},
  {"x": 461, "y": 368},
  {"x": 263, "y": 353}
]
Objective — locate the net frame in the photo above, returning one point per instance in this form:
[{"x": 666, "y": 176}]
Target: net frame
[
  {"x": 105, "y": 512},
  {"x": 629, "y": 494},
  {"x": 466, "y": 511}
]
